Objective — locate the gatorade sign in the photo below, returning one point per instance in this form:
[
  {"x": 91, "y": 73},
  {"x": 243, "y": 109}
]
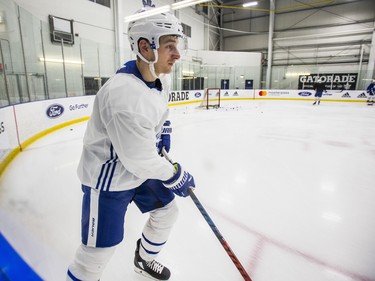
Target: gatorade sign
[{"x": 334, "y": 81}]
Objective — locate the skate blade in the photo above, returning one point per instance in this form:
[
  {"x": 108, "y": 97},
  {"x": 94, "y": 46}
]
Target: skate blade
[{"x": 144, "y": 273}]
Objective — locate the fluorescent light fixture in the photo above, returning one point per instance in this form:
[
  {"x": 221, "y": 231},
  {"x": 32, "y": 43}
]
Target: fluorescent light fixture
[
  {"x": 187, "y": 78},
  {"x": 148, "y": 13},
  {"x": 61, "y": 61},
  {"x": 250, "y": 4},
  {"x": 296, "y": 73},
  {"x": 187, "y": 72},
  {"x": 163, "y": 9},
  {"x": 185, "y": 3}
]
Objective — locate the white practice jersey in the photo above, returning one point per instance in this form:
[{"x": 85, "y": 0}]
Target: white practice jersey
[{"x": 119, "y": 150}]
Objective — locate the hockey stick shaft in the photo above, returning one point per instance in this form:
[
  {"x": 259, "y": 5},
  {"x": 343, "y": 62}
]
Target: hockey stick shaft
[
  {"x": 220, "y": 237},
  {"x": 213, "y": 227}
]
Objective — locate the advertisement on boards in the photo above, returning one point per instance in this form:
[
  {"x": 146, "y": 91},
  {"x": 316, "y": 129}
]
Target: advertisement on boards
[{"x": 332, "y": 81}]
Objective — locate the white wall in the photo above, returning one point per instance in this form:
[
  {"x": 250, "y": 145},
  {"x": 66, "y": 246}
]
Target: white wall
[
  {"x": 96, "y": 22},
  {"x": 230, "y": 58},
  {"x": 189, "y": 17},
  {"x": 91, "y": 21}
]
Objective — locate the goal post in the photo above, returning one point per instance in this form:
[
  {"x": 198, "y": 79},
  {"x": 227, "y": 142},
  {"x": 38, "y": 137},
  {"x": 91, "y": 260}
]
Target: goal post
[{"x": 211, "y": 98}]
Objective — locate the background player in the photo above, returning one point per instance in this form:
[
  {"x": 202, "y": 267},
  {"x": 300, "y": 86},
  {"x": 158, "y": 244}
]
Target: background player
[
  {"x": 319, "y": 87},
  {"x": 120, "y": 162},
  {"x": 371, "y": 92}
]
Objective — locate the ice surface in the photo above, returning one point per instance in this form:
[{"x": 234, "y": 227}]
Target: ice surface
[{"x": 289, "y": 185}]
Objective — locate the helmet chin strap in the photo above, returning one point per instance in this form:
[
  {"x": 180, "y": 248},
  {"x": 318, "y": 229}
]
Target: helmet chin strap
[
  {"x": 152, "y": 69},
  {"x": 151, "y": 65}
]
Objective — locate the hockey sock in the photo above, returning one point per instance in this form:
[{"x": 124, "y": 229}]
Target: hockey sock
[
  {"x": 156, "y": 231},
  {"x": 89, "y": 263}
]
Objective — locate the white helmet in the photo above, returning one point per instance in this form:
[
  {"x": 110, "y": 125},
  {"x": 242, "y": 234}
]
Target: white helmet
[{"x": 152, "y": 28}]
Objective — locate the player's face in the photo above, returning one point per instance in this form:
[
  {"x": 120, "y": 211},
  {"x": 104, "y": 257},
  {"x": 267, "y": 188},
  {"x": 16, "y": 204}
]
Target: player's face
[{"x": 168, "y": 54}]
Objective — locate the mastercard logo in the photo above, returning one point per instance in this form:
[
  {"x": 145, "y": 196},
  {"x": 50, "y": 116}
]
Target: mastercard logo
[{"x": 262, "y": 93}]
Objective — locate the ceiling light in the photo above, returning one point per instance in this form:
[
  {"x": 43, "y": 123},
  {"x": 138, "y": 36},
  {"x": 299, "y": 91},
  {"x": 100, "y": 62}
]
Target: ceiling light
[
  {"x": 61, "y": 61},
  {"x": 186, "y": 3},
  {"x": 250, "y": 4},
  {"x": 296, "y": 73},
  {"x": 148, "y": 13},
  {"x": 187, "y": 72},
  {"x": 163, "y": 9}
]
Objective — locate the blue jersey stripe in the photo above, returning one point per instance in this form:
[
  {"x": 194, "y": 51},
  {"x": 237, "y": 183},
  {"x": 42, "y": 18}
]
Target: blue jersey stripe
[
  {"x": 112, "y": 172},
  {"x": 100, "y": 175},
  {"x": 110, "y": 164},
  {"x": 104, "y": 172}
]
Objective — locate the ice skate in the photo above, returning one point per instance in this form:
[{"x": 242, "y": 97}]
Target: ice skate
[
  {"x": 314, "y": 103},
  {"x": 151, "y": 269}
]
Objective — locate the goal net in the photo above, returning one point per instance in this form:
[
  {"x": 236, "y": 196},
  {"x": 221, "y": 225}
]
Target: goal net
[{"x": 211, "y": 98}]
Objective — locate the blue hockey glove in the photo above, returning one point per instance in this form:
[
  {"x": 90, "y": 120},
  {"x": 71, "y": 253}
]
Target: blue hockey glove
[
  {"x": 164, "y": 140},
  {"x": 180, "y": 182}
]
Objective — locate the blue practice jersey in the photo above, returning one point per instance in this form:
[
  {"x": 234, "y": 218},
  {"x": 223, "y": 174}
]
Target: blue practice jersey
[{"x": 371, "y": 89}]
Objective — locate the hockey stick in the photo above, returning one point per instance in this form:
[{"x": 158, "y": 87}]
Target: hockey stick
[{"x": 213, "y": 227}]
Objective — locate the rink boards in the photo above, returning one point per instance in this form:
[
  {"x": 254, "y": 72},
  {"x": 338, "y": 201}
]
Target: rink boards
[
  {"x": 22, "y": 124},
  {"x": 228, "y": 96}
]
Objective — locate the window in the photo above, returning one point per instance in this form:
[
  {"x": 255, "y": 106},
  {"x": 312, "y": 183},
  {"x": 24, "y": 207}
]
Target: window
[
  {"x": 106, "y": 3},
  {"x": 93, "y": 84},
  {"x": 187, "y": 29},
  {"x": 205, "y": 10},
  {"x": 61, "y": 30}
]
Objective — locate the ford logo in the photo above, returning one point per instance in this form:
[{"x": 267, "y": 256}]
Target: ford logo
[
  {"x": 197, "y": 94},
  {"x": 304, "y": 94},
  {"x": 55, "y": 110}
]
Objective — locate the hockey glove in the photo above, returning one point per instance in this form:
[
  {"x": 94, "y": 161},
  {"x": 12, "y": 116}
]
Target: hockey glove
[
  {"x": 180, "y": 182},
  {"x": 164, "y": 140}
]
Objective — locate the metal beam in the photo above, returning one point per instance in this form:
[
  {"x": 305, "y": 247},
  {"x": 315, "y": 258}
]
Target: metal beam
[
  {"x": 244, "y": 33},
  {"x": 270, "y": 44},
  {"x": 346, "y": 43}
]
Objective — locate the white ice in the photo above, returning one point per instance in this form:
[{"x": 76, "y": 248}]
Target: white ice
[{"x": 290, "y": 186}]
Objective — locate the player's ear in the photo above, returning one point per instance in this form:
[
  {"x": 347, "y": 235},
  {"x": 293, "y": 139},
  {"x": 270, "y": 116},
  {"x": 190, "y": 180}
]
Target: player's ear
[{"x": 145, "y": 49}]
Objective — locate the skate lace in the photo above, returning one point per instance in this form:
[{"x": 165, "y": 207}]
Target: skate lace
[{"x": 155, "y": 266}]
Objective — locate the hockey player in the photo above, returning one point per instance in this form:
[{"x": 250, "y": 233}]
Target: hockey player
[
  {"x": 319, "y": 87},
  {"x": 371, "y": 92},
  {"x": 120, "y": 162}
]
